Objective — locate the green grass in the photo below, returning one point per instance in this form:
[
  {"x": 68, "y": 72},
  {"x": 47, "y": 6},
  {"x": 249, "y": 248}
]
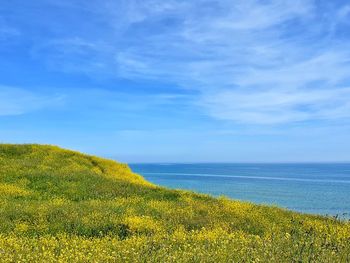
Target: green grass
[{"x": 63, "y": 206}]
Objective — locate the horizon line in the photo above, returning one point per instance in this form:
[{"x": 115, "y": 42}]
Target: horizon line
[{"x": 284, "y": 162}]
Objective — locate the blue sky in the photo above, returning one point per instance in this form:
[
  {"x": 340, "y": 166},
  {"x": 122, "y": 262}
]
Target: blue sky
[{"x": 178, "y": 81}]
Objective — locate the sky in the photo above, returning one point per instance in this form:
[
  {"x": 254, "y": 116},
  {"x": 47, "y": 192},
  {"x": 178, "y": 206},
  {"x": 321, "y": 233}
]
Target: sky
[{"x": 178, "y": 81}]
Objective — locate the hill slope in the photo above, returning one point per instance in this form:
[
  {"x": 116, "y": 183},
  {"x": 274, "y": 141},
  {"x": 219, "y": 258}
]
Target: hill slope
[{"x": 60, "y": 205}]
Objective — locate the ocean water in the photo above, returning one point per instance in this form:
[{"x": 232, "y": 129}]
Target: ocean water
[{"x": 308, "y": 188}]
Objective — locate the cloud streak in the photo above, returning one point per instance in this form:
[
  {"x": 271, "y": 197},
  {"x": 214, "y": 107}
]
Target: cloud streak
[
  {"x": 273, "y": 107},
  {"x": 17, "y": 101},
  {"x": 254, "y": 62},
  {"x": 250, "y": 65}
]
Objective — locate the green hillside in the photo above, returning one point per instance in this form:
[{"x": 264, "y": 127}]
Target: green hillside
[{"x": 63, "y": 206}]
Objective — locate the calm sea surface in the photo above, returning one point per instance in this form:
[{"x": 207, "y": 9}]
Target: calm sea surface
[{"x": 310, "y": 188}]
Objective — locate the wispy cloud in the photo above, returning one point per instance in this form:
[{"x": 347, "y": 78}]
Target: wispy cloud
[
  {"x": 75, "y": 55},
  {"x": 7, "y": 31},
  {"x": 249, "y": 61},
  {"x": 283, "y": 106},
  {"x": 17, "y": 101},
  {"x": 344, "y": 13}
]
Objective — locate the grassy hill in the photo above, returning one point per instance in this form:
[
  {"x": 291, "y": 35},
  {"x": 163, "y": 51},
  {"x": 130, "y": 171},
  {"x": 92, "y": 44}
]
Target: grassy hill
[{"x": 63, "y": 206}]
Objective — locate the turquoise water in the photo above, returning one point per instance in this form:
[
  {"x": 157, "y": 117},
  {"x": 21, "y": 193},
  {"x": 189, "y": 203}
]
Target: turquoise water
[{"x": 310, "y": 188}]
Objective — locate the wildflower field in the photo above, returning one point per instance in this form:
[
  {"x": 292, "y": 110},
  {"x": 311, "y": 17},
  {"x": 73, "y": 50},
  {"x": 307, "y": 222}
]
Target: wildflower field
[{"x": 62, "y": 206}]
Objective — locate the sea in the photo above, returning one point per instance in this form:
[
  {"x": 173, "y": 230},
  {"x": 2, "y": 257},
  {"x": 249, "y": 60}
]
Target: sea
[{"x": 316, "y": 188}]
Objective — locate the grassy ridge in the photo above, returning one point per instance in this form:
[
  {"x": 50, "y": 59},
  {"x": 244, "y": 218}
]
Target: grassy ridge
[{"x": 62, "y": 206}]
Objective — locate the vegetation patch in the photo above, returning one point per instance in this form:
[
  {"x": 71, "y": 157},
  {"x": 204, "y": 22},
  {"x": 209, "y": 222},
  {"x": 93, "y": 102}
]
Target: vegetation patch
[{"x": 62, "y": 206}]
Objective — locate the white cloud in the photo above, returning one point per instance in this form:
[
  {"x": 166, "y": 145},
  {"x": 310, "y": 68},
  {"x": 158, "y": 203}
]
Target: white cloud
[
  {"x": 7, "y": 32},
  {"x": 251, "y": 61},
  {"x": 344, "y": 13},
  {"x": 75, "y": 55},
  {"x": 17, "y": 101},
  {"x": 273, "y": 107}
]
